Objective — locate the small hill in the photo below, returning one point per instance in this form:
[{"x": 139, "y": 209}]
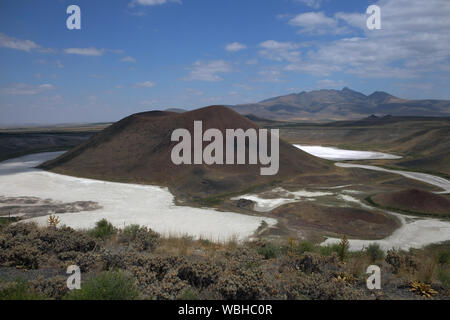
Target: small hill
[
  {"x": 353, "y": 222},
  {"x": 138, "y": 149},
  {"x": 176, "y": 110},
  {"x": 414, "y": 201}
]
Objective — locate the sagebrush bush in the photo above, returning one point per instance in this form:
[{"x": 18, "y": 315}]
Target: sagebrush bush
[
  {"x": 28, "y": 246},
  {"x": 54, "y": 287},
  {"x": 108, "y": 285},
  {"x": 141, "y": 238},
  {"x": 319, "y": 287},
  {"x": 311, "y": 262},
  {"x": 103, "y": 229},
  {"x": 401, "y": 262},
  {"x": 199, "y": 275},
  {"x": 242, "y": 285},
  {"x": 374, "y": 252}
]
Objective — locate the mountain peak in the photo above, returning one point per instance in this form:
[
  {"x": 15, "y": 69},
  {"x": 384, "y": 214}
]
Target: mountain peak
[
  {"x": 352, "y": 93},
  {"x": 381, "y": 97}
]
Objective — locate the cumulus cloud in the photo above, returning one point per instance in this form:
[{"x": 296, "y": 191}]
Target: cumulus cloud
[
  {"x": 18, "y": 44},
  {"x": 145, "y": 84},
  {"x": 151, "y": 2},
  {"x": 85, "y": 51},
  {"x": 194, "y": 92},
  {"x": 129, "y": 59},
  {"x": 315, "y": 4},
  {"x": 317, "y": 23},
  {"x": 414, "y": 40},
  {"x": 26, "y": 89},
  {"x": 209, "y": 70},
  {"x": 330, "y": 84},
  {"x": 235, "y": 46},
  {"x": 270, "y": 75},
  {"x": 279, "y": 51}
]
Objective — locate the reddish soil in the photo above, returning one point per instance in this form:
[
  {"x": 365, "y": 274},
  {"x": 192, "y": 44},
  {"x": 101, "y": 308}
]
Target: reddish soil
[
  {"x": 414, "y": 201},
  {"x": 337, "y": 221}
]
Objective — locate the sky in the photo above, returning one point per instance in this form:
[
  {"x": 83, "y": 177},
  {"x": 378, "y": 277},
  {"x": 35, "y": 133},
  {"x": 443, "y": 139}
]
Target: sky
[{"x": 137, "y": 55}]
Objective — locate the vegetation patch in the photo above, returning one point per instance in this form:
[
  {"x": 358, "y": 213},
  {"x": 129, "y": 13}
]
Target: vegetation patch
[{"x": 110, "y": 285}]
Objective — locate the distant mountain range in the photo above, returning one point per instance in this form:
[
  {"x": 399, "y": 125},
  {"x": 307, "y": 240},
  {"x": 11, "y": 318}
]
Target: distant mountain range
[{"x": 345, "y": 104}]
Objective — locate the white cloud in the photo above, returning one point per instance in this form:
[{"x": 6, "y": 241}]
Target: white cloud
[
  {"x": 270, "y": 75},
  {"x": 85, "y": 51},
  {"x": 235, "y": 46},
  {"x": 252, "y": 61},
  {"x": 18, "y": 44},
  {"x": 208, "y": 71},
  {"x": 317, "y": 23},
  {"x": 151, "y": 2},
  {"x": 149, "y": 103},
  {"x": 243, "y": 86},
  {"x": 194, "y": 92},
  {"x": 97, "y": 76},
  {"x": 330, "y": 84},
  {"x": 414, "y": 40},
  {"x": 25, "y": 89},
  {"x": 311, "y": 3},
  {"x": 279, "y": 51},
  {"x": 145, "y": 84},
  {"x": 129, "y": 59}
]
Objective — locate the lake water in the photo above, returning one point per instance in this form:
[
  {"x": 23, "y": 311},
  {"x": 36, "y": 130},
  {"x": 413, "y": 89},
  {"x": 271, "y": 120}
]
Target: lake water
[
  {"x": 414, "y": 232},
  {"x": 123, "y": 204},
  {"x": 336, "y": 154}
]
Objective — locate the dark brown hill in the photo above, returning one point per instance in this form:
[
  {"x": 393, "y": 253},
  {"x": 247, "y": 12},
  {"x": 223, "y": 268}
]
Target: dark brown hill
[
  {"x": 414, "y": 201},
  {"x": 138, "y": 149}
]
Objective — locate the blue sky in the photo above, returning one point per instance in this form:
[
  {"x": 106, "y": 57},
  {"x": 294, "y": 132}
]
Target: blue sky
[{"x": 138, "y": 55}]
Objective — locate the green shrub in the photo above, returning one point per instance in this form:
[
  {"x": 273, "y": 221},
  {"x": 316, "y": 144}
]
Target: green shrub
[
  {"x": 444, "y": 257},
  {"x": 188, "y": 294},
  {"x": 444, "y": 277},
  {"x": 7, "y": 220},
  {"x": 269, "y": 251},
  {"x": 305, "y": 246},
  {"x": 329, "y": 249},
  {"x": 374, "y": 252},
  {"x": 131, "y": 231},
  {"x": 108, "y": 285},
  {"x": 103, "y": 229},
  {"x": 19, "y": 290}
]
